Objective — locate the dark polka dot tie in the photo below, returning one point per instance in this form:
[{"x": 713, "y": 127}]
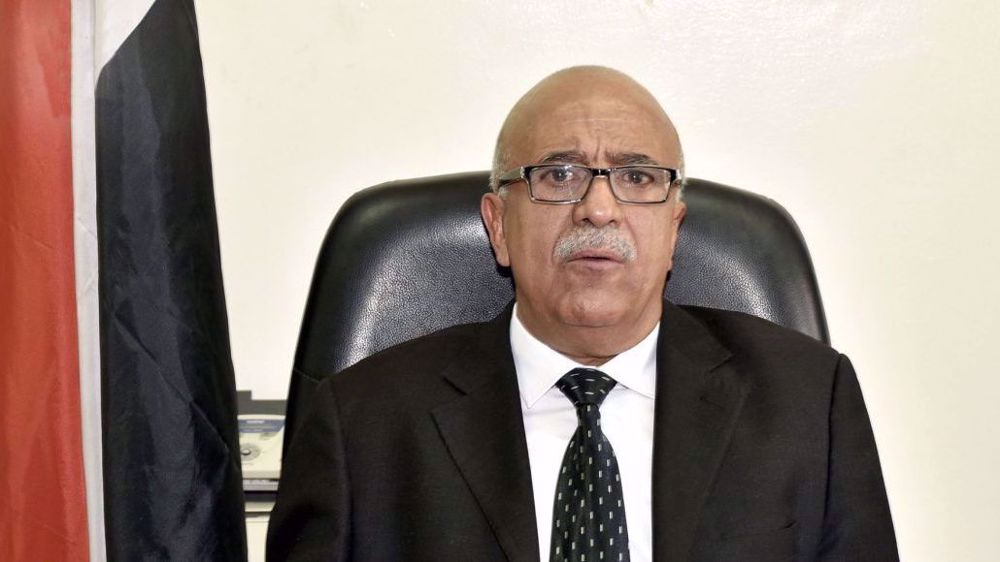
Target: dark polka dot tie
[{"x": 589, "y": 513}]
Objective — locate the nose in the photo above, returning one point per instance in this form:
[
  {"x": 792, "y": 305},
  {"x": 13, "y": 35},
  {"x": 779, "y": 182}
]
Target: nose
[{"x": 599, "y": 207}]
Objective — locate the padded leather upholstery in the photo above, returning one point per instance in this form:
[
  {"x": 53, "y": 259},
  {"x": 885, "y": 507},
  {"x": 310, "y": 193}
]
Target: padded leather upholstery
[{"x": 406, "y": 258}]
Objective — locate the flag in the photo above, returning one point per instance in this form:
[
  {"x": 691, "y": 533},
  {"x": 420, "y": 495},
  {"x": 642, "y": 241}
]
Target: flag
[{"x": 117, "y": 398}]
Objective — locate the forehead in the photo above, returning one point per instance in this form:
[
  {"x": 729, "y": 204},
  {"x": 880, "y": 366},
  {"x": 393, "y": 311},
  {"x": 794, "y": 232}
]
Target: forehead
[{"x": 597, "y": 122}]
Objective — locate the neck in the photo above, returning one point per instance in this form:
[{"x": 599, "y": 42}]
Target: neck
[{"x": 591, "y": 345}]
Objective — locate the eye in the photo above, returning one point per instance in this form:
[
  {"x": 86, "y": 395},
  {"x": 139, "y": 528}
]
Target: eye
[
  {"x": 635, "y": 177},
  {"x": 556, "y": 176}
]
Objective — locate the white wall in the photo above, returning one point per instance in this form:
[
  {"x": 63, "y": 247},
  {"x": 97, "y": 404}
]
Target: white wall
[{"x": 872, "y": 122}]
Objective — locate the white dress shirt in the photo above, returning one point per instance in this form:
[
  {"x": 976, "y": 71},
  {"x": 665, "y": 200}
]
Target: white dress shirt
[{"x": 626, "y": 418}]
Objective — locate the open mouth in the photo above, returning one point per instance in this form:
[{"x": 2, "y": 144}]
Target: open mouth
[{"x": 596, "y": 257}]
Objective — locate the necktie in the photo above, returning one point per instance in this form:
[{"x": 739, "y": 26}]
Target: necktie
[{"x": 589, "y": 514}]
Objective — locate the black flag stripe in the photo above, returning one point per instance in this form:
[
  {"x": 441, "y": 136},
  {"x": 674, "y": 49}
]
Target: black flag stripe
[{"x": 172, "y": 483}]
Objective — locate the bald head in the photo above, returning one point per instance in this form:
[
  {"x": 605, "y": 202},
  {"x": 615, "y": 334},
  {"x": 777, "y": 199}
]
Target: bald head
[{"x": 593, "y": 93}]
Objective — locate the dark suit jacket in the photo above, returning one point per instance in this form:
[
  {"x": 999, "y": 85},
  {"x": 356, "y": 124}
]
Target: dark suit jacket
[{"x": 763, "y": 451}]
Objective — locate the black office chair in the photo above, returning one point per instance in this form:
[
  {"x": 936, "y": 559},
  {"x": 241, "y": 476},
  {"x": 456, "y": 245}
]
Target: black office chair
[{"x": 406, "y": 258}]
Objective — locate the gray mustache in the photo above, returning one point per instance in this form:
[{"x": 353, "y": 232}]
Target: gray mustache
[{"x": 594, "y": 238}]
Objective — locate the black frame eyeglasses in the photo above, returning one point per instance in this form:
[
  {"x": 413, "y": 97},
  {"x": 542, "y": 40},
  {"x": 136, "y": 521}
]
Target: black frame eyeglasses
[{"x": 562, "y": 184}]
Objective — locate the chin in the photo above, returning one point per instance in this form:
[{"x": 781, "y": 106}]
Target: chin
[{"x": 594, "y": 312}]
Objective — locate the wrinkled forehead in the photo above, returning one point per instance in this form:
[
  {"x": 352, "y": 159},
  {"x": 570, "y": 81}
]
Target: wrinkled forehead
[{"x": 596, "y": 121}]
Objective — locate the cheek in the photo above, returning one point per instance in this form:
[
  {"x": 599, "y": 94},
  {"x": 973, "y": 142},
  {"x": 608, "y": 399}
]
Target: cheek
[
  {"x": 531, "y": 239},
  {"x": 655, "y": 244}
]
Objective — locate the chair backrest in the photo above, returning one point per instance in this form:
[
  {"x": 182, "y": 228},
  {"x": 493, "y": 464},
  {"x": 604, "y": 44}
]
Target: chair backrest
[{"x": 406, "y": 258}]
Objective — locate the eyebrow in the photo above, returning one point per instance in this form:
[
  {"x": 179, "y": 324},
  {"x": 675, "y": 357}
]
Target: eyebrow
[
  {"x": 616, "y": 159},
  {"x": 564, "y": 157},
  {"x": 631, "y": 159}
]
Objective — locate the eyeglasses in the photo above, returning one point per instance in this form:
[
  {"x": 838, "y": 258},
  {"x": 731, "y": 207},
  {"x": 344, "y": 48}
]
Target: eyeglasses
[{"x": 569, "y": 183}]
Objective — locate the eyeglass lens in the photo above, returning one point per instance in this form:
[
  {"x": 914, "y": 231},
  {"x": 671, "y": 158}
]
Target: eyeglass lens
[{"x": 638, "y": 184}]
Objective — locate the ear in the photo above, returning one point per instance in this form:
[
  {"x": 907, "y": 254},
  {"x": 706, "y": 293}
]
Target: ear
[
  {"x": 676, "y": 218},
  {"x": 491, "y": 207}
]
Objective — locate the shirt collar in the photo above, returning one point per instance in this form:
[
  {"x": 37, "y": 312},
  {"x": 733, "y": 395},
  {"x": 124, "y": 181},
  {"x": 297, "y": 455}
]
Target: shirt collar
[{"x": 539, "y": 366}]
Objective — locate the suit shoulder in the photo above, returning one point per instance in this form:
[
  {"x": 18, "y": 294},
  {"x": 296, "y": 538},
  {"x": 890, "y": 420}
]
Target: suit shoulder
[
  {"x": 743, "y": 333},
  {"x": 424, "y": 354}
]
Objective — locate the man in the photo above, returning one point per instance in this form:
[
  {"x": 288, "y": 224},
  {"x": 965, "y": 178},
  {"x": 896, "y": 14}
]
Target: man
[{"x": 592, "y": 420}]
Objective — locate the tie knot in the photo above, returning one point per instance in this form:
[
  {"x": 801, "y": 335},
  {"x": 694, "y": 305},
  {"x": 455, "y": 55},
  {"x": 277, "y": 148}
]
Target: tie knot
[{"x": 586, "y": 386}]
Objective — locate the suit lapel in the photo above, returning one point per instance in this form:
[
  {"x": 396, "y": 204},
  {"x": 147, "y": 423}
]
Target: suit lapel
[
  {"x": 698, "y": 399},
  {"x": 484, "y": 433}
]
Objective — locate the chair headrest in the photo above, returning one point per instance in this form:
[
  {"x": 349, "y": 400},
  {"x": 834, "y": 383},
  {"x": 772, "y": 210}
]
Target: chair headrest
[{"x": 406, "y": 258}]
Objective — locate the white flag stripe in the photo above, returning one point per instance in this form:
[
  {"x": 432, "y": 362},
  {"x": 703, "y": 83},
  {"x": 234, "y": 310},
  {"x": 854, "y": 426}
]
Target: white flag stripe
[{"x": 85, "y": 256}]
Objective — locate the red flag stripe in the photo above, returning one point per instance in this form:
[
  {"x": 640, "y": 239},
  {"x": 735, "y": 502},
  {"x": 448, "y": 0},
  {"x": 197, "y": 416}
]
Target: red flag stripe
[{"x": 43, "y": 512}]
